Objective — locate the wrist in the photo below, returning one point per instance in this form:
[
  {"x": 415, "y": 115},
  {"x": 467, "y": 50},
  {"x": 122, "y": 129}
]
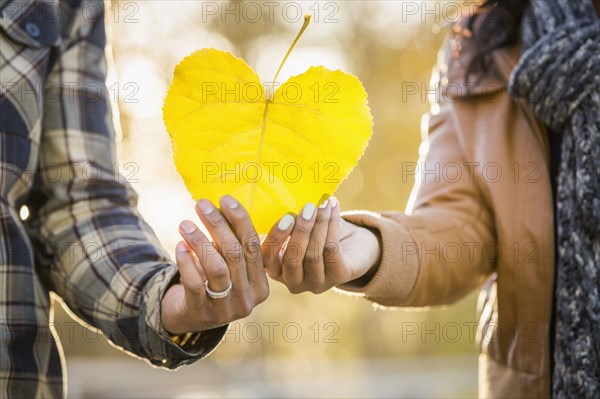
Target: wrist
[
  {"x": 368, "y": 276},
  {"x": 170, "y": 310},
  {"x": 377, "y": 250},
  {"x": 375, "y": 243}
]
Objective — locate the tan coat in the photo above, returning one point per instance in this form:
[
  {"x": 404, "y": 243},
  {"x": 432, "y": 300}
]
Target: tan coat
[{"x": 480, "y": 216}]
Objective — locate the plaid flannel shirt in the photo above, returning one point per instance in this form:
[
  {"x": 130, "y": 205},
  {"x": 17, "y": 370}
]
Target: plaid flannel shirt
[{"x": 84, "y": 239}]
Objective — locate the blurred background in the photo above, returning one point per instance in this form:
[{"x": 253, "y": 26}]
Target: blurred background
[{"x": 292, "y": 346}]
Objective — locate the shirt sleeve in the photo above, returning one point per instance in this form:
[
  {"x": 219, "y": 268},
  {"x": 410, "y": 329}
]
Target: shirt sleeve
[{"x": 93, "y": 248}]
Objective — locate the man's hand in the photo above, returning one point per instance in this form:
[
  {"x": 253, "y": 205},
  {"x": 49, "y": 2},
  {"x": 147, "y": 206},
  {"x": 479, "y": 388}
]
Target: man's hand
[
  {"x": 233, "y": 258},
  {"x": 323, "y": 250}
]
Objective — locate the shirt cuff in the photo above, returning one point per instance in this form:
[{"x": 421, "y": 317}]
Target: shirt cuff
[
  {"x": 164, "y": 349},
  {"x": 396, "y": 276}
]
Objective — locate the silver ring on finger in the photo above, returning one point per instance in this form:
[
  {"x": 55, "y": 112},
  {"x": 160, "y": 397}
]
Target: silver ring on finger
[{"x": 218, "y": 294}]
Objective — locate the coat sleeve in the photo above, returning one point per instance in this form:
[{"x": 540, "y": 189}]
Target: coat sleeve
[
  {"x": 93, "y": 248},
  {"x": 444, "y": 246}
]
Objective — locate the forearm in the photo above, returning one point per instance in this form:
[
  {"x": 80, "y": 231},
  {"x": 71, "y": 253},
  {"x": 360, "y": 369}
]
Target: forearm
[
  {"x": 434, "y": 257},
  {"x": 111, "y": 271}
]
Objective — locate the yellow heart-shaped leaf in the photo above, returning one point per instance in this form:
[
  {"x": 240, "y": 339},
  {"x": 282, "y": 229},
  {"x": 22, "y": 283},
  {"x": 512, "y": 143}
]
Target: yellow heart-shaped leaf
[{"x": 273, "y": 154}]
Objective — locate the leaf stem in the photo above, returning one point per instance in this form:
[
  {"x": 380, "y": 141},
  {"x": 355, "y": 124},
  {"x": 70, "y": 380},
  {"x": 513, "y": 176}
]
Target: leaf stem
[
  {"x": 304, "y": 26},
  {"x": 269, "y": 99}
]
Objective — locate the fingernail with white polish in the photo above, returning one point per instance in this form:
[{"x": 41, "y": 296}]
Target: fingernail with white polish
[
  {"x": 285, "y": 222},
  {"x": 334, "y": 202},
  {"x": 324, "y": 204},
  {"x": 308, "y": 211},
  {"x": 181, "y": 247},
  {"x": 187, "y": 227}
]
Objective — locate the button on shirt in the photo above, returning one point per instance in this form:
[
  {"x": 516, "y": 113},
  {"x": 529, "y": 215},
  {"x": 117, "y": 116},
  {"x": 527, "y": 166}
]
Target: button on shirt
[{"x": 84, "y": 239}]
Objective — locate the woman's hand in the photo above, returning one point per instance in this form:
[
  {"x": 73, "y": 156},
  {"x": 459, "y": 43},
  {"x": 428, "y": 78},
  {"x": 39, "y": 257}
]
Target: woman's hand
[
  {"x": 323, "y": 250},
  {"x": 233, "y": 262}
]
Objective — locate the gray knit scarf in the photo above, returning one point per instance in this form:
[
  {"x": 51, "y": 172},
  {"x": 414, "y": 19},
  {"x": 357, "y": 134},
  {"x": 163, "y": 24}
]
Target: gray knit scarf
[{"x": 559, "y": 75}]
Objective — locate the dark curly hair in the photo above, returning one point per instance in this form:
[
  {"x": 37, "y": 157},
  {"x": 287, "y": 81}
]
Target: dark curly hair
[{"x": 496, "y": 24}]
